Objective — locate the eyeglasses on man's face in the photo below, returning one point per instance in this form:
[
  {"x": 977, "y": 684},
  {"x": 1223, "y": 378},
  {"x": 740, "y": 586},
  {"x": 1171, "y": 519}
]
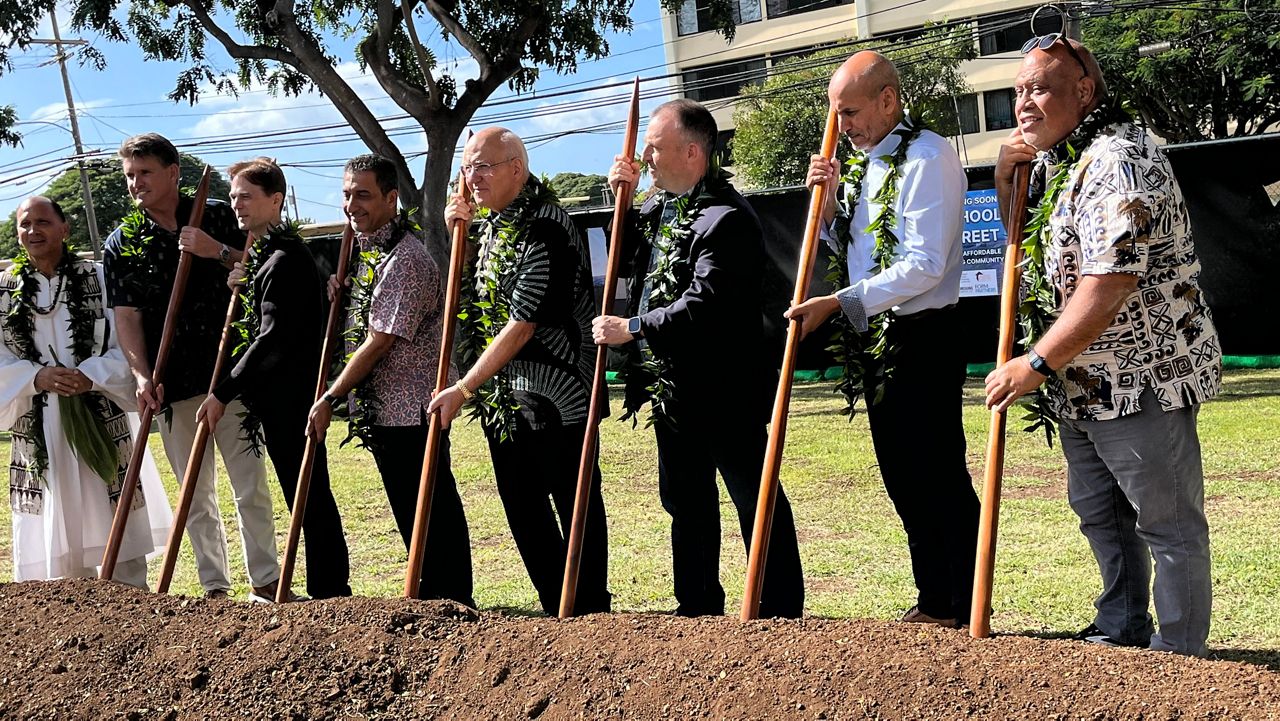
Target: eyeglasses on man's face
[
  {"x": 1044, "y": 42},
  {"x": 483, "y": 169}
]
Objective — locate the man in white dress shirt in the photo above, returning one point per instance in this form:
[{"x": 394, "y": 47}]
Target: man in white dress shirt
[{"x": 905, "y": 263}]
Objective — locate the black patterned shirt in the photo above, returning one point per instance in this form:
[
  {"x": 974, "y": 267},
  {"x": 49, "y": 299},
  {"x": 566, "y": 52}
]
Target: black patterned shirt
[
  {"x": 551, "y": 286},
  {"x": 1121, "y": 211},
  {"x": 145, "y": 282}
]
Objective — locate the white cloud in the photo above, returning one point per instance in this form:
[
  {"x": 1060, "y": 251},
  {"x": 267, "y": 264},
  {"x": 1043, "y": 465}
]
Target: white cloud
[{"x": 56, "y": 111}]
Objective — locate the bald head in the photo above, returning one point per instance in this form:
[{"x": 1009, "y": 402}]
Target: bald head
[
  {"x": 498, "y": 165},
  {"x": 49, "y": 203},
  {"x": 866, "y": 94}
]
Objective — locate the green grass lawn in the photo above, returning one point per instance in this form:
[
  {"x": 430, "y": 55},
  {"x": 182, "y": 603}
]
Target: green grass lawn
[{"x": 853, "y": 547}]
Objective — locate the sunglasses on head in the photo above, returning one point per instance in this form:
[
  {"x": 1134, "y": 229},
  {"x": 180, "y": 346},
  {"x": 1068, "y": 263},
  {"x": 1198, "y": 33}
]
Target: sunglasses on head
[{"x": 1044, "y": 42}]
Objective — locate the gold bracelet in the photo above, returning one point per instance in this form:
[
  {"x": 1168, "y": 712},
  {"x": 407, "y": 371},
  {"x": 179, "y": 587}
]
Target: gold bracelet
[{"x": 467, "y": 393}]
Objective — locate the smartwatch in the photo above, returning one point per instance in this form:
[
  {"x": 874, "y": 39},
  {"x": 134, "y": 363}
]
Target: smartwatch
[
  {"x": 633, "y": 327},
  {"x": 1039, "y": 364}
]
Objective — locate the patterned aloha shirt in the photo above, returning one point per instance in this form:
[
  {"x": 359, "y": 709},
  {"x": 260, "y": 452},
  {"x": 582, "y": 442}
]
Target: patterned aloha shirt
[
  {"x": 407, "y": 302},
  {"x": 1122, "y": 212}
]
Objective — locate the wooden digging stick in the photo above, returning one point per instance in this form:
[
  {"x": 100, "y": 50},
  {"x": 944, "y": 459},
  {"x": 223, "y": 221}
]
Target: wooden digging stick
[
  {"x": 599, "y": 391},
  {"x": 284, "y": 587},
  {"x": 985, "y": 565},
  {"x": 134, "y": 470},
  {"x": 427, "y": 481},
  {"x": 782, "y": 401},
  {"x": 187, "y": 492}
]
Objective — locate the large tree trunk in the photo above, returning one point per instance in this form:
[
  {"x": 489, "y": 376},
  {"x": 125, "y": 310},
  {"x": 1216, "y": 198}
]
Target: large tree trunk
[{"x": 438, "y": 175}]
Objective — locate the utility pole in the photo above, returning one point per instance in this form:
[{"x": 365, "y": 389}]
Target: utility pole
[
  {"x": 91, "y": 218},
  {"x": 293, "y": 196}
]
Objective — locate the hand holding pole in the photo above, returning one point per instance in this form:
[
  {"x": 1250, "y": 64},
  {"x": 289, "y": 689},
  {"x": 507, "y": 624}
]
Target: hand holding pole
[
  {"x": 782, "y": 401},
  {"x": 599, "y": 391},
  {"x": 984, "y": 567}
]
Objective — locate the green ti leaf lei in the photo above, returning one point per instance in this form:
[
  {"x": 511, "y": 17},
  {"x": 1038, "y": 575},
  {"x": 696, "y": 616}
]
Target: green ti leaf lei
[
  {"x": 867, "y": 362},
  {"x": 1038, "y": 306},
  {"x": 135, "y": 266},
  {"x": 666, "y": 282},
  {"x": 365, "y": 405},
  {"x": 20, "y": 321},
  {"x": 246, "y": 327},
  {"x": 486, "y": 306}
]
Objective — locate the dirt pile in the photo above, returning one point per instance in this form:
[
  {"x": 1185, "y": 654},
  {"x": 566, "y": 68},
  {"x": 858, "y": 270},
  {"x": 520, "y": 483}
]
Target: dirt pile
[{"x": 81, "y": 649}]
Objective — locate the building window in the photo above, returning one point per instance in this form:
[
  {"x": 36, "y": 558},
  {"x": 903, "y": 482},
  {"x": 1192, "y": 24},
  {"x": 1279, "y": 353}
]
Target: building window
[
  {"x": 695, "y": 17},
  {"x": 778, "y": 58},
  {"x": 724, "y": 148},
  {"x": 1003, "y": 33},
  {"x": 721, "y": 81},
  {"x": 997, "y": 105},
  {"x": 781, "y": 8},
  {"x": 966, "y": 109}
]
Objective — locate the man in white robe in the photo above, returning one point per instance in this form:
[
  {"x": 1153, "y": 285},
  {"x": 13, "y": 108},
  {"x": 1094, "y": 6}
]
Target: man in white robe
[{"x": 62, "y": 509}]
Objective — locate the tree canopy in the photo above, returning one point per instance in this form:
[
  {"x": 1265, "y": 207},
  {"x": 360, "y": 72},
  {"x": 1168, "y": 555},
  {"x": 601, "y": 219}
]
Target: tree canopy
[
  {"x": 578, "y": 185},
  {"x": 779, "y": 122},
  {"x": 1217, "y": 80},
  {"x": 291, "y": 47},
  {"x": 111, "y": 199}
]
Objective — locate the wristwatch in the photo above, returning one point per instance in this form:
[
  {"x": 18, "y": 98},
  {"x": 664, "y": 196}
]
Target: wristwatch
[
  {"x": 330, "y": 398},
  {"x": 1039, "y": 364},
  {"x": 225, "y": 254},
  {"x": 633, "y": 327}
]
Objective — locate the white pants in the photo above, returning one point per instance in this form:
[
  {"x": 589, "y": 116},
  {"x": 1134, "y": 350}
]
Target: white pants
[{"x": 248, "y": 476}]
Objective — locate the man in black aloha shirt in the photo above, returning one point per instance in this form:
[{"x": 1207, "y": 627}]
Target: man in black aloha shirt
[{"x": 541, "y": 362}]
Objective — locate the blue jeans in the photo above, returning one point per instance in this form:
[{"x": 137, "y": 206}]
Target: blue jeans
[{"x": 1137, "y": 485}]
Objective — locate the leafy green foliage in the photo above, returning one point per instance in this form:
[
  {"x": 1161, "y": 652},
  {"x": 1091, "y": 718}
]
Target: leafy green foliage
[
  {"x": 111, "y": 199},
  {"x": 1219, "y": 78},
  {"x": 774, "y": 119},
  {"x": 577, "y": 185},
  {"x": 285, "y": 47}
]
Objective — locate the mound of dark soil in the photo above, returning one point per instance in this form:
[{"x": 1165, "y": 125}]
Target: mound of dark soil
[{"x": 83, "y": 649}]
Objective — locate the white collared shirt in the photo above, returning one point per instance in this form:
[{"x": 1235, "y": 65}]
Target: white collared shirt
[{"x": 930, "y": 217}]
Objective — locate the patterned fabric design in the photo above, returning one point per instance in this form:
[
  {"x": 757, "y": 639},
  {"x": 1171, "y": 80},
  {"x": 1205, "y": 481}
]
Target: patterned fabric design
[
  {"x": 550, "y": 285},
  {"x": 1123, "y": 212},
  {"x": 145, "y": 283},
  {"x": 407, "y": 301}
]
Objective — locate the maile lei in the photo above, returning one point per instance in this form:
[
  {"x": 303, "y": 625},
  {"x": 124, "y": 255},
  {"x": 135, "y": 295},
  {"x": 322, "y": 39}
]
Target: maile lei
[
  {"x": 246, "y": 327},
  {"x": 666, "y": 281},
  {"x": 73, "y": 283},
  {"x": 364, "y": 408},
  {"x": 867, "y": 361},
  {"x": 1038, "y": 304},
  {"x": 487, "y": 305}
]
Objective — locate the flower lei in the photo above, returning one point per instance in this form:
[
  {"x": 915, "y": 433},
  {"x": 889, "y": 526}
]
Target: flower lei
[
  {"x": 20, "y": 322},
  {"x": 866, "y": 364},
  {"x": 246, "y": 327},
  {"x": 1038, "y": 306},
  {"x": 487, "y": 308},
  {"x": 364, "y": 406}
]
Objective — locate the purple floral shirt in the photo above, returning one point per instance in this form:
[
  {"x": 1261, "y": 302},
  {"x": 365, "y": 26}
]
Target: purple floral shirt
[{"x": 407, "y": 302}]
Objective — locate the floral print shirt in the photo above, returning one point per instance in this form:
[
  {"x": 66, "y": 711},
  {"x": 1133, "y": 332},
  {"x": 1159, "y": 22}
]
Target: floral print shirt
[{"x": 407, "y": 303}]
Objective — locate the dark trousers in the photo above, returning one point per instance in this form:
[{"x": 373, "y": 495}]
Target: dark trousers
[
  {"x": 918, "y": 434},
  {"x": 284, "y": 420},
  {"x": 446, "y": 568},
  {"x": 688, "y": 457},
  {"x": 534, "y": 470}
]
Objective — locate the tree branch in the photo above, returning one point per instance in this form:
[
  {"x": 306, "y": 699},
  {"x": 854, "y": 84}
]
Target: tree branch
[
  {"x": 454, "y": 28},
  {"x": 376, "y": 52},
  {"x": 235, "y": 49},
  {"x": 433, "y": 88}
]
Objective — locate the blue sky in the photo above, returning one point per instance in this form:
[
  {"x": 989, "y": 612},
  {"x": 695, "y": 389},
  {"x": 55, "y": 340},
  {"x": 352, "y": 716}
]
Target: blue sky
[{"x": 129, "y": 97}]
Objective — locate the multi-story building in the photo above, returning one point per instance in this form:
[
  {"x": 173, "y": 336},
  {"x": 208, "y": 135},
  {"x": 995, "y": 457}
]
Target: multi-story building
[{"x": 770, "y": 31}]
